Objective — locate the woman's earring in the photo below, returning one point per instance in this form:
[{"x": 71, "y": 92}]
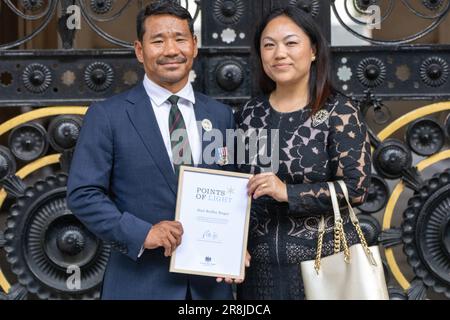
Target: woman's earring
[{"x": 313, "y": 58}]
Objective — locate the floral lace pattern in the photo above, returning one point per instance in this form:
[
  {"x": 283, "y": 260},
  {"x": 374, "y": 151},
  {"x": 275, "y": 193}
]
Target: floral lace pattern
[{"x": 309, "y": 156}]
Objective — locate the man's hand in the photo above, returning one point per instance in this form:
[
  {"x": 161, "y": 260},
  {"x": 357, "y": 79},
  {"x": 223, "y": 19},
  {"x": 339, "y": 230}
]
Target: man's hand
[
  {"x": 231, "y": 280},
  {"x": 165, "y": 234}
]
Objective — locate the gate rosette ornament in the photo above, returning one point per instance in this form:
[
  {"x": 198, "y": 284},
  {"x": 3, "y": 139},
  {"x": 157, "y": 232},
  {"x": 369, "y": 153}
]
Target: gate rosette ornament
[{"x": 53, "y": 255}]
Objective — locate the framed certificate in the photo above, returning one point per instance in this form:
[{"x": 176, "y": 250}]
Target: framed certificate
[{"x": 214, "y": 208}]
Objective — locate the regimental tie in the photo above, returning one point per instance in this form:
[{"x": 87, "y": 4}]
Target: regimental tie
[{"x": 181, "y": 150}]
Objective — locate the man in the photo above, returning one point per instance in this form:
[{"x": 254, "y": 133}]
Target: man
[{"x": 123, "y": 177}]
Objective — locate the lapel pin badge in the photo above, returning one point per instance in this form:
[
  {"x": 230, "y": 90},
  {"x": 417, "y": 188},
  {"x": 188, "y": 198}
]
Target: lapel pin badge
[{"x": 207, "y": 125}]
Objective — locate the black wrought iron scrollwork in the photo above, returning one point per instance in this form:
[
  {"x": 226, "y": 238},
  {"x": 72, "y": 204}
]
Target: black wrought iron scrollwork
[
  {"x": 426, "y": 233},
  {"x": 44, "y": 241},
  {"x": 99, "y": 76},
  {"x": 425, "y": 137},
  {"x": 371, "y": 228},
  {"x": 93, "y": 12},
  {"x": 363, "y": 8},
  {"x": 229, "y": 75},
  {"x": 377, "y": 197},
  {"x": 447, "y": 125},
  {"x": 391, "y": 237},
  {"x": 63, "y": 132},
  {"x": 371, "y": 72},
  {"x": 228, "y": 12},
  {"x": 310, "y": 6},
  {"x": 417, "y": 290},
  {"x": 14, "y": 186},
  {"x": 37, "y": 78},
  {"x": 434, "y": 71},
  {"x": 373, "y": 107},
  {"x": 391, "y": 158},
  {"x": 224, "y": 70},
  {"x": 16, "y": 292},
  {"x": 362, "y": 5},
  {"x": 397, "y": 294},
  {"x": 7, "y": 163},
  {"x": 28, "y": 141},
  {"x": 2, "y": 239},
  {"x": 28, "y": 5},
  {"x": 65, "y": 159},
  {"x": 433, "y": 4},
  {"x": 101, "y": 6},
  {"x": 46, "y": 17},
  {"x": 412, "y": 178},
  {"x": 91, "y": 19},
  {"x": 32, "y": 5},
  {"x": 91, "y": 23}
]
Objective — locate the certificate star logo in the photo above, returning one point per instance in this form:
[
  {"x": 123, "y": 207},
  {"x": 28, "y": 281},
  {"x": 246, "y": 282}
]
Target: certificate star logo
[{"x": 230, "y": 191}]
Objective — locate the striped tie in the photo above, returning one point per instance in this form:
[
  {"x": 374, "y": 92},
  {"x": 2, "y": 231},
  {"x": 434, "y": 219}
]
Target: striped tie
[{"x": 181, "y": 150}]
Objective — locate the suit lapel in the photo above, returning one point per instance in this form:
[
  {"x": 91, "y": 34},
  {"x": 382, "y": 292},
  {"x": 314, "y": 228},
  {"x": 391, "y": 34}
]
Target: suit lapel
[
  {"x": 201, "y": 113},
  {"x": 141, "y": 114}
]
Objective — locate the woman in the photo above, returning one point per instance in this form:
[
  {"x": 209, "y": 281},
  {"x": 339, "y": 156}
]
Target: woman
[{"x": 322, "y": 138}]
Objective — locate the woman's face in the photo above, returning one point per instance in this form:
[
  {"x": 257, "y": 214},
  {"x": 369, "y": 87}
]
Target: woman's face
[{"x": 286, "y": 52}]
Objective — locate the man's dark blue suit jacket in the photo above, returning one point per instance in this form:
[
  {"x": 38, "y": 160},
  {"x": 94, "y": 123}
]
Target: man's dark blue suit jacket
[{"x": 121, "y": 182}]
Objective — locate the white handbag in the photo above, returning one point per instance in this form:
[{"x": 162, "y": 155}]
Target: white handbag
[{"x": 356, "y": 273}]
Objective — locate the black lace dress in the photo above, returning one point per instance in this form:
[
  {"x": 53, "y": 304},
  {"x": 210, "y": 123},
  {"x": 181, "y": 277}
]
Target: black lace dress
[{"x": 311, "y": 152}]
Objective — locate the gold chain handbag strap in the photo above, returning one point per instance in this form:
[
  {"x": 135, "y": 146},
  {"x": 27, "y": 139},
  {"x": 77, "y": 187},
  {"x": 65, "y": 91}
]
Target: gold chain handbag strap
[
  {"x": 339, "y": 234},
  {"x": 319, "y": 244},
  {"x": 356, "y": 224}
]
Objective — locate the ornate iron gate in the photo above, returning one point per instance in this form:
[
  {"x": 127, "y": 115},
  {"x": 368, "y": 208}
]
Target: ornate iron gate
[{"x": 41, "y": 240}]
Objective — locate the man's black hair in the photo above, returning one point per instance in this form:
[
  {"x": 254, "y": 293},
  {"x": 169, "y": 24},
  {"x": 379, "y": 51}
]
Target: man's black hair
[{"x": 162, "y": 7}]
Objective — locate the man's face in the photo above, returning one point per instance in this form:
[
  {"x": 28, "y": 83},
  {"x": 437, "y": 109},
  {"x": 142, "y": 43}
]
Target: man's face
[{"x": 167, "y": 51}]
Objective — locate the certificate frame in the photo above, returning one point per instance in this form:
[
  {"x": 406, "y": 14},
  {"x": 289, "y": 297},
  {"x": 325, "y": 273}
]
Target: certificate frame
[{"x": 179, "y": 204}]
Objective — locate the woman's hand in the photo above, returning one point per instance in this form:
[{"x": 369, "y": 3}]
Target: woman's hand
[
  {"x": 267, "y": 184},
  {"x": 237, "y": 281}
]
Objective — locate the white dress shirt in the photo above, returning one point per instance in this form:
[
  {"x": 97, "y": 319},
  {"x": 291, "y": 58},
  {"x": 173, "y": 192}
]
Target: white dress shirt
[{"x": 161, "y": 107}]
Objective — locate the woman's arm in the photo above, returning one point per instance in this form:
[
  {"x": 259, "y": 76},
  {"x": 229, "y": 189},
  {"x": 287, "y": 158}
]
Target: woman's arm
[{"x": 349, "y": 151}]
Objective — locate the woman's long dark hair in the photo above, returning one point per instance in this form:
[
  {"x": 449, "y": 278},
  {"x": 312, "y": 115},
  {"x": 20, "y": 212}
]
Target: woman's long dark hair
[{"x": 320, "y": 84}]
